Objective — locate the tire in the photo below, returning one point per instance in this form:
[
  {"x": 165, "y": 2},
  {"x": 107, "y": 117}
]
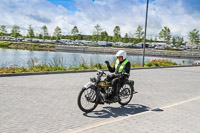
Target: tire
[
  {"x": 127, "y": 89},
  {"x": 90, "y": 95}
]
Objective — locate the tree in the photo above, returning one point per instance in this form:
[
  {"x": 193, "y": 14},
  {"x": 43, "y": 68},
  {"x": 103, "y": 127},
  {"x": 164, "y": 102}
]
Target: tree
[
  {"x": 194, "y": 37},
  {"x": 79, "y": 37},
  {"x": 139, "y": 34},
  {"x": 179, "y": 40},
  {"x": 44, "y": 32},
  {"x": 40, "y": 36},
  {"x": 151, "y": 40},
  {"x": 31, "y": 32},
  {"x": 155, "y": 39},
  {"x": 15, "y": 31},
  {"x": 174, "y": 40},
  {"x": 104, "y": 36},
  {"x": 116, "y": 30},
  {"x": 165, "y": 34},
  {"x": 110, "y": 38},
  {"x": 96, "y": 34},
  {"x": 126, "y": 38},
  {"x": 57, "y": 33},
  {"x": 74, "y": 30},
  {"x": 117, "y": 36},
  {"x": 131, "y": 37},
  {"x": 97, "y": 30},
  {"x": 94, "y": 38},
  {"x": 3, "y": 30}
]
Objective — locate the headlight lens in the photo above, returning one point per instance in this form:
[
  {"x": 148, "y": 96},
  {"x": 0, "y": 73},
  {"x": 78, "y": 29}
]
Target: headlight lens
[{"x": 93, "y": 79}]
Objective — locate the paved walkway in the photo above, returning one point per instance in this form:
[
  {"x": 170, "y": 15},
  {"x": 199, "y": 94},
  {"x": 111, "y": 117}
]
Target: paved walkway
[{"x": 168, "y": 101}]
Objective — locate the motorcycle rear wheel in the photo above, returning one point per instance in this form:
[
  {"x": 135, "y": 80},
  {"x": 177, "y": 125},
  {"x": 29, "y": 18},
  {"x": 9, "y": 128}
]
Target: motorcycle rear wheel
[
  {"x": 126, "y": 93},
  {"x": 87, "y": 100}
]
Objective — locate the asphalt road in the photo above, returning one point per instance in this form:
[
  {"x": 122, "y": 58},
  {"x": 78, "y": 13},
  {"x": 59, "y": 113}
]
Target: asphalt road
[{"x": 168, "y": 101}]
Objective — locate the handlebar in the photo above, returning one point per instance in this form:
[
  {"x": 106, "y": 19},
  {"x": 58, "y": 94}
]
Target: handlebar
[{"x": 100, "y": 72}]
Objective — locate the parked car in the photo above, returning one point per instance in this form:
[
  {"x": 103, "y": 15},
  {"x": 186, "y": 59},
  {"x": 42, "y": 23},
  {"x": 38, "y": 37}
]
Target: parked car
[
  {"x": 182, "y": 47},
  {"x": 35, "y": 40},
  {"x": 188, "y": 47},
  {"x": 139, "y": 45},
  {"x": 119, "y": 43},
  {"x": 128, "y": 44},
  {"x": 19, "y": 39},
  {"x": 160, "y": 47},
  {"x": 152, "y": 46},
  {"x": 102, "y": 43},
  {"x": 27, "y": 39}
]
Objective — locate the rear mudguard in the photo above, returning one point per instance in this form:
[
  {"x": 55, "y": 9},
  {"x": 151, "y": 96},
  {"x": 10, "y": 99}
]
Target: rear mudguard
[{"x": 131, "y": 82}]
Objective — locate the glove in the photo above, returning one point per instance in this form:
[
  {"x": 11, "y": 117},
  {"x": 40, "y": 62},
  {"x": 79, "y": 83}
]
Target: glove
[{"x": 107, "y": 62}]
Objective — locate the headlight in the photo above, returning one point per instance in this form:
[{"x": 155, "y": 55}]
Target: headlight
[{"x": 93, "y": 79}]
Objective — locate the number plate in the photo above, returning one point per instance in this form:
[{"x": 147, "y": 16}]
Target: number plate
[{"x": 88, "y": 85}]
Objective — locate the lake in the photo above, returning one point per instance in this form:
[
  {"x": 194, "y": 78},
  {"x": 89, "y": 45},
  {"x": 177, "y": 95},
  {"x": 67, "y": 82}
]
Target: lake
[{"x": 21, "y": 57}]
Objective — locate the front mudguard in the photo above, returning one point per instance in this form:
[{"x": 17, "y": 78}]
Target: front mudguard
[
  {"x": 91, "y": 86},
  {"x": 97, "y": 92}
]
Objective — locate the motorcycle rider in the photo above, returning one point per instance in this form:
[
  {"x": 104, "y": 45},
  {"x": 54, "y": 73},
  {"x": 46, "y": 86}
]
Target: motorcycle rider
[{"x": 121, "y": 69}]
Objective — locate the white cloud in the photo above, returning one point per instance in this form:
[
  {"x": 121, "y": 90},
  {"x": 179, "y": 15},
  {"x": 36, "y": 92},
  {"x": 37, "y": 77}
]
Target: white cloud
[
  {"x": 36, "y": 13},
  {"x": 108, "y": 13},
  {"x": 175, "y": 17}
]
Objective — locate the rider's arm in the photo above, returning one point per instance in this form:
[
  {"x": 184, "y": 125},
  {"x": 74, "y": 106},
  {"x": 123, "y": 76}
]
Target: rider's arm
[
  {"x": 126, "y": 70},
  {"x": 111, "y": 69}
]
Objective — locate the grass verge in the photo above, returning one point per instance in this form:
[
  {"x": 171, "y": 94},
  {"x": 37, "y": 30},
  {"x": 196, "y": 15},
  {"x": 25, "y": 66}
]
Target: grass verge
[{"x": 58, "y": 64}]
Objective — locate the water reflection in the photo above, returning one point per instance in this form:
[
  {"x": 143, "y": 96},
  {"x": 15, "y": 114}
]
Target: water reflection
[{"x": 21, "y": 57}]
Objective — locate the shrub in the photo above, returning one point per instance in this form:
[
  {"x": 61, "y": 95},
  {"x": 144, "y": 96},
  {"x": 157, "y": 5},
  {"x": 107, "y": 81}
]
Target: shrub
[
  {"x": 133, "y": 64},
  {"x": 58, "y": 64},
  {"x": 160, "y": 63},
  {"x": 5, "y": 44}
]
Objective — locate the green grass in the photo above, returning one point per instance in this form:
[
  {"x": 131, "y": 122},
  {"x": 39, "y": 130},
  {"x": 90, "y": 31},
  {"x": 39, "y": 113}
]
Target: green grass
[
  {"x": 5, "y": 44},
  {"x": 58, "y": 63},
  {"x": 24, "y": 45},
  {"x": 46, "y": 68},
  {"x": 58, "y": 67}
]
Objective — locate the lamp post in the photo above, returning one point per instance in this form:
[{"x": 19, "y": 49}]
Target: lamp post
[{"x": 145, "y": 33}]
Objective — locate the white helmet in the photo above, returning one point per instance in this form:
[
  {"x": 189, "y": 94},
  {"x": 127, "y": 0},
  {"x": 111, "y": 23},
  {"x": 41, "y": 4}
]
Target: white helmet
[{"x": 121, "y": 53}]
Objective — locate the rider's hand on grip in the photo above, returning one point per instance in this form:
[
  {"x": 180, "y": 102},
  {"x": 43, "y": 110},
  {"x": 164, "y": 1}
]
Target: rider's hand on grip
[
  {"x": 118, "y": 75},
  {"x": 107, "y": 62}
]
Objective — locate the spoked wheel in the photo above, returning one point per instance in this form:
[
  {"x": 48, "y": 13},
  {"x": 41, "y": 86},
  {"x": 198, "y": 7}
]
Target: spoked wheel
[
  {"x": 87, "y": 100},
  {"x": 126, "y": 93}
]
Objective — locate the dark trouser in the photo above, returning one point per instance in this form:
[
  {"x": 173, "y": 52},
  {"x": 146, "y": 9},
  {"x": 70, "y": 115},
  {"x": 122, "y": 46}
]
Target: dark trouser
[{"x": 115, "y": 83}]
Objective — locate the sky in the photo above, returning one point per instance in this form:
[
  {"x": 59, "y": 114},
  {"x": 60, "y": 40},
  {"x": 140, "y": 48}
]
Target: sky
[{"x": 181, "y": 16}]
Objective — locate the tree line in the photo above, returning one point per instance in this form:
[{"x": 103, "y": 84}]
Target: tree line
[{"x": 100, "y": 35}]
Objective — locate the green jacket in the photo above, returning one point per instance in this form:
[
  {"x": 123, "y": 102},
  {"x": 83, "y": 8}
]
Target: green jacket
[{"x": 121, "y": 67}]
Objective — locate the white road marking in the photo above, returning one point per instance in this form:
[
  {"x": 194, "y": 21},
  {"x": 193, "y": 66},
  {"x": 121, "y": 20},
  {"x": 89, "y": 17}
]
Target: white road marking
[{"x": 77, "y": 130}]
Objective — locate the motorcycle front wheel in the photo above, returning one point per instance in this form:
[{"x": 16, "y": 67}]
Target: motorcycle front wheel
[
  {"x": 126, "y": 93},
  {"x": 87, "y": 100}
]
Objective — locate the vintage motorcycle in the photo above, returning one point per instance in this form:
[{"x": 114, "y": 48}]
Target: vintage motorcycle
[{"x": 96, "y": 91}]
